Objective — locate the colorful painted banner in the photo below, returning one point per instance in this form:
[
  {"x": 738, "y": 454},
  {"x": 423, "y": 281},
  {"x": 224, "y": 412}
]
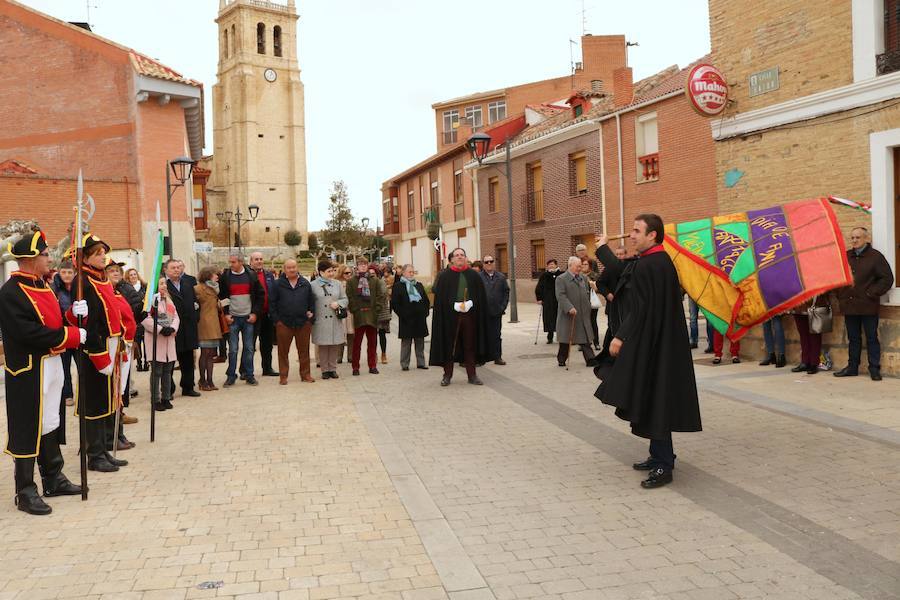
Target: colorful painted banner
[
  {"x": 153, "y": 277},
  {"x": 744, "y": 268}
]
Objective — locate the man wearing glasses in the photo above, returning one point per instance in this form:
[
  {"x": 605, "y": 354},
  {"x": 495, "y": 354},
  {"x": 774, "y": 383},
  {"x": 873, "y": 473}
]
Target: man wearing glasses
[
  {"x": 872, "y": 278},
  {"x": 497, "y": 290}
]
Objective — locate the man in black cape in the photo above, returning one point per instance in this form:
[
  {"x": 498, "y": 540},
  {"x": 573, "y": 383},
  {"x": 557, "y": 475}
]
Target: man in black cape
[
  {"x": 459, "y": 321},
  {"x": 651, "y": 383},
  {"x": 545, "y": 294}
]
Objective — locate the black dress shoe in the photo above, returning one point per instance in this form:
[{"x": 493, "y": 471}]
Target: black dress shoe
[
  {"x": 561, "y": 363},
  {"x": 445, "y": 381},
  {"x": 693, "y": 346},
  {"x": 847, "y": 372},
  {"x": 500, "y": 362},
  {"x": 115, "y": 461},
  {"x": 643, "y": 466},
  {"x": 475, "y": 381},
  {"x": 355, "y": 372},
  {"x": 167, "y": 404},
  {"x": 800, "y": 368},
  {"x": 770, "y": 360},
  {"x": 271, "y": 373},
  {"x": 61, "y": 487},
  {"x": 191, "y": 394},
  {"x": 404, "y": 368},
  {"x": 875, "y": 374},
  {"x": 102, "y": 465},
  {"x": 812, "y": 370},
  {"x": 657, "y": 478},
  {"x": 334, "y": 375},
  {"x": 159, "y": 406},
  {"x": 780, "y": 361},
  {"x": 373, "y": 371},
  {"x": 250, "y": 381},
  {"x": 423, "y": 367}
]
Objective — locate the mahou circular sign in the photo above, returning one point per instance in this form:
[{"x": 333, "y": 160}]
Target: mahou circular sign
[{"x": 707, "y": 90}]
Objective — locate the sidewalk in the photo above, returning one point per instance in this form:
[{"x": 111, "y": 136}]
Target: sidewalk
[{"x": 392, "y": 487}]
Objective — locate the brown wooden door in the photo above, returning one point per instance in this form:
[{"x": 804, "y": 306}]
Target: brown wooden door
[{"x": 897, "y": 216}]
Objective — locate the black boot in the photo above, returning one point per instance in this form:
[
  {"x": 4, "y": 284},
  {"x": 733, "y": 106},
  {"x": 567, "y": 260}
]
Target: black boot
[
  {"x": 50, "y": 463},
  {"x": 27, "y": 497},
  {"x": 95, "y": 450},
  {"x": 780, "y": 361},
  {"x": 550, "y": 338},
  {"x": 770, "y": 360}
]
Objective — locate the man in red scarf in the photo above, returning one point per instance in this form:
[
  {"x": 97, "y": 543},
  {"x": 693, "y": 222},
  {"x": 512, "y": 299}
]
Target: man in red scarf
[
  {"x": 651, "y": 384},
  {"x": 459, "y": 321}
]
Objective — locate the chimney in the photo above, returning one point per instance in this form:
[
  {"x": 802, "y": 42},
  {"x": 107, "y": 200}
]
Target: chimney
[
  {"x": 601, "y": 56},
  {"x": 623, "y": 87}
]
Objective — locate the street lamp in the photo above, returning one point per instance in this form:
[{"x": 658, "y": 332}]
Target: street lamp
[
  {"x": 253, "y": 209},
  {"x": 227, "y": 217},
  {"x": 181, "y": 168},
  {"x": 365, "y": 226},
  {"x": 478, "y": 144}
]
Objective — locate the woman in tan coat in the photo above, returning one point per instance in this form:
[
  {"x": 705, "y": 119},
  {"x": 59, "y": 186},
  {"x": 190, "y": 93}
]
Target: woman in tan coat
[{"x": 209, "y": 328}]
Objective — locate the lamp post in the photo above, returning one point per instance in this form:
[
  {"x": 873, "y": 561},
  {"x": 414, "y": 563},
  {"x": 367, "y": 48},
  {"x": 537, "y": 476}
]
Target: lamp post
[
  {"x": 479, "y": 144},
  {"x": 227, "y": 217},
  {"x": 253, "y": 209},
  {"x": 181, "y": 168},
  {"x": 365, "y": 226}
]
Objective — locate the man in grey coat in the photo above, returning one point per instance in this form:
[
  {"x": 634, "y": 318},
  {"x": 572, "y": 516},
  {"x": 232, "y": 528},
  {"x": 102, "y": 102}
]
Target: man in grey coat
[
  {"x": 497, "y": 290},
  {"x": 573, "y": 324}
]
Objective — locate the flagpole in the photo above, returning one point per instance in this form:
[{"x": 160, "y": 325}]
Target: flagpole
[{"x": 79, "y": 356}]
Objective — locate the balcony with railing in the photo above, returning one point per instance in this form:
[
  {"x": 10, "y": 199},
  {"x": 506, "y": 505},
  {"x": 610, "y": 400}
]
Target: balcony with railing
[
  {"x": 649, "y": 167},
  {"x": 534, "y": 206},
  {"x": 391, "y": 228}
]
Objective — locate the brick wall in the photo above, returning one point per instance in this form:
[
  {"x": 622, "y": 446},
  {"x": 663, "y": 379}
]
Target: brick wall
[
  {"x": 810, "y": 42},
  {"x": 51, "y": 202},
  {"x": 686, "y": 188},
  {"x": 162, "y": 136},
  {"x": 65, "y": 100}
]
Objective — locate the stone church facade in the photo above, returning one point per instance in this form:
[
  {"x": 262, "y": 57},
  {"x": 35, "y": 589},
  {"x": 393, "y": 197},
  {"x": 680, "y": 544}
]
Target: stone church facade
[{"x": 258, "y": 127}]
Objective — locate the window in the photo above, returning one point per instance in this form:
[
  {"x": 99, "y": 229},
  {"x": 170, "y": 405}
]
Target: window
[
  {"x": 276, "y": 40},
  {"x": 500, "y": 255},
  {"x": 459, "y": 211},
  {"x": 538, "y": 257},
  {"x": 434, "y": 214},
  {"x": 411, "y": 206},
  {"x": 647, "y": 147},
  {"x": 473, "y": 116},
  {"x": 577, "y": 173},
  {"x": 201, "y": 209},
  {"x": 493, "y": 191},
  {"x": 579, "y": 110},
  {"x": 534, "y": 198},
  {"x": 496, "y": 111},
  {"x": 451, "y": 122},
  {"x": 234, "y": 41},
  {"x": 225, "y": 40},
  {"x": 260, "y": 38}
]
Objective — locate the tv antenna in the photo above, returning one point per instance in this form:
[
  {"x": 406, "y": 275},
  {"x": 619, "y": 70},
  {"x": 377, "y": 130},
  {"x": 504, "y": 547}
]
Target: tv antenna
[{"x": 88, "y": 6}]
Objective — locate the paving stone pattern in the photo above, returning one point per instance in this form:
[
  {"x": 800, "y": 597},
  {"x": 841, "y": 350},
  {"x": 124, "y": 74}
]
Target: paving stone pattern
[{"x": 390, "y": 486}]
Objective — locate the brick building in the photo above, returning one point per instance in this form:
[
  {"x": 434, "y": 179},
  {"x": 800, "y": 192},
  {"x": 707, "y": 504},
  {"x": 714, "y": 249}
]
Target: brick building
[
  {"x": 567, "y": 182},
  {"x": 815, "y": 88},
  {"x": 441, "y": 181},
  {"x": 88, "y": 103}
]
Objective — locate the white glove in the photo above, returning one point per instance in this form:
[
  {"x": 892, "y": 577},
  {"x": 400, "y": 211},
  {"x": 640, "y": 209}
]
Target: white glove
[
  {"x": 80, "y": 308},
  {"x": 463, "y": 307},
  {"x": 196, "y": 306},
  {"x": 107, "y": 370},
  {"x": 83, "y": 335}
]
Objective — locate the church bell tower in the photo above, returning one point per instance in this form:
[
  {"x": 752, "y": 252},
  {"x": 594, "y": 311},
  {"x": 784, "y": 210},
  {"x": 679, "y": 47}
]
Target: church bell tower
[{"x": 258, "y": 116}]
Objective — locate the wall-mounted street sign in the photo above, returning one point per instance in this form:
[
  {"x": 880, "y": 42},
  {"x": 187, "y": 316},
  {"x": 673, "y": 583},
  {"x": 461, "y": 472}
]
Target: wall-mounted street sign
[
  {"x": 764, "y": 82},
  {"x": 203, "y": 247},
  {"x": 706, "y": 90}
]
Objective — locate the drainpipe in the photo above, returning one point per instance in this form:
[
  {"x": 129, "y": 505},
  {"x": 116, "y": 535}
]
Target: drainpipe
[
  {"x": 621, "y": 177},
  {"x": 476, "y": 212}
]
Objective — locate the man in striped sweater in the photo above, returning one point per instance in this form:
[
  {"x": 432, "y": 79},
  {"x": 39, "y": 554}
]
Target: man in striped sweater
[{"x": 240, "y": 287}]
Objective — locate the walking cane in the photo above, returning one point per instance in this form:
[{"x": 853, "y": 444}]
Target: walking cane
[
  {"x": 537, "y": 328},
  {"x": 155, "y": 310},
  {"x": 571, "y": 337}
]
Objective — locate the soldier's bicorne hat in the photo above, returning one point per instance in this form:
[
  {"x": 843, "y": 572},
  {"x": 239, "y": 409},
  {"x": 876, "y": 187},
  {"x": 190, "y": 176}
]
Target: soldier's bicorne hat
[
  {"x": 29, "y": 246},
  {"x": 88, "y": 241}
]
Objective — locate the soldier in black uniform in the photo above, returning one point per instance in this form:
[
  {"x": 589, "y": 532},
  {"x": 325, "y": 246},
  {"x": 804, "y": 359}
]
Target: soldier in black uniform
[{"x": 34, "y": 337}]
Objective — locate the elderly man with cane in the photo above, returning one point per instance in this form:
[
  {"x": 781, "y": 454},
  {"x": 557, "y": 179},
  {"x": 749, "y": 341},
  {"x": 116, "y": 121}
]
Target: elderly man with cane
[{"x": 573, "y": 325}]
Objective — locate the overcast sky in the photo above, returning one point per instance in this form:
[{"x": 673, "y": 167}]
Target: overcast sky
[{"x": 372, "y": 68}]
